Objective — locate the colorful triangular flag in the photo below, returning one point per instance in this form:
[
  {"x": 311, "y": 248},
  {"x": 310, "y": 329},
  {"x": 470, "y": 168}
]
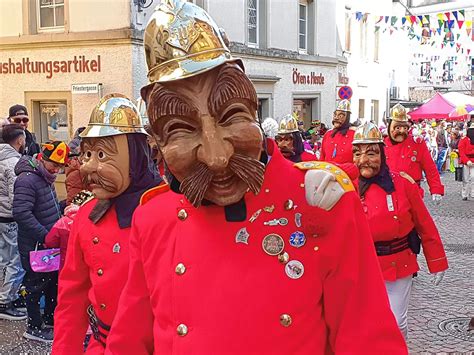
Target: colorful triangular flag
[
  {"x": 455, "y": 14},
  {"x": 450, "y": 24},
  {"x": 460, "y": 22},
  {"x": 448, "y": 15},
  {"x": 404, "y": 19},
  {"x": 394, "y": 20},
  {"x": 380, "y": 19},
  {"x": 386, "y": 18}
]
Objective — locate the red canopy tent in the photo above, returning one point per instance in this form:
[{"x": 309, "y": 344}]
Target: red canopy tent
[{"x": 436, "y": 108}]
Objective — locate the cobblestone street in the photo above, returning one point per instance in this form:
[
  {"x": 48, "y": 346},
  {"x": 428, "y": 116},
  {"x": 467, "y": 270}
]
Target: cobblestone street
[{"x": 438, "y": 315}]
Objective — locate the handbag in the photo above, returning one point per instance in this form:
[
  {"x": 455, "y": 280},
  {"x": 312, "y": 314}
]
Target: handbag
[
  {"x": 45, "y": 260},
  {"x": 458, "y": 173}
]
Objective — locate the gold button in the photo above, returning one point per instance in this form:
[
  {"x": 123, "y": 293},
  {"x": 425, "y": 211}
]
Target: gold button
[
  {"x": 316, "y": 248},
  {"x": 182, "y": 330},
  {"x": 289, "y": 205},
  {"x": 283, "y": 257},
  {"x": 285, "y": 320},
  {"x": 267, "y": 190},
  {"x": 95, "y": 240},
  {"x": 102, "y": 306},
  {"x": 301, "y": 185},
  {"x": 180, "y": 269},
  {"x": 182, "y": 215},
  {"x": 394, "y": 263},
  {"x": 395, "y": 217},
  {"x": 100, "y": 272}
]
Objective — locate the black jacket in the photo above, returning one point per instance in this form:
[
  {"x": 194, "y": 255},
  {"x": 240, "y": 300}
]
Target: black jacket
[
  {"x": 35, "y": 207},
  {"x": 31, "y": 147}
]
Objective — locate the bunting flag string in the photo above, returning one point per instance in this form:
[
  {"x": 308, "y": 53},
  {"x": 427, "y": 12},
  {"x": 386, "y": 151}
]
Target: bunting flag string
[{"x": 444, "y": 29}]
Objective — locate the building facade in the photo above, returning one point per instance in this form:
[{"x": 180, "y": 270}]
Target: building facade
[{"x": 59, "y": 56}]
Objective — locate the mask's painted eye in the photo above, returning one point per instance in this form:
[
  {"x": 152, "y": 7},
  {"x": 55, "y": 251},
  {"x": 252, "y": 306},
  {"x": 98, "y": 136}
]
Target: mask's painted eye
[
  {"x": 101, "y": 154},
  {"x": 88, "y": 154}
]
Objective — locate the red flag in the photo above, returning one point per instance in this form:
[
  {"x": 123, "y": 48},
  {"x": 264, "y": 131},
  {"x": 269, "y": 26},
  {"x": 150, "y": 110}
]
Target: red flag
[
  {"x": 448, "y": 15},
  {"x": 460, "y": 23}
]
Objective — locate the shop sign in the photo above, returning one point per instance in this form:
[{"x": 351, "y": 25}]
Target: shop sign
[
  {"x": 307, "y": 79},
  {"x": 85, "y": 88},
  {"x": 75, "y": 64}
]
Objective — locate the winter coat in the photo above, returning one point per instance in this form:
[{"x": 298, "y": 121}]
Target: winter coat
[
  {"x": 35, "y": 207},
  {"x": 8, "y": 159},
  {"x": 31, "y": 147}
]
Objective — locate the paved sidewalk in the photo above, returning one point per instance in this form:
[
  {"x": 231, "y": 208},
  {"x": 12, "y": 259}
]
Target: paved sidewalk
[{"x": 438, "y": 315}]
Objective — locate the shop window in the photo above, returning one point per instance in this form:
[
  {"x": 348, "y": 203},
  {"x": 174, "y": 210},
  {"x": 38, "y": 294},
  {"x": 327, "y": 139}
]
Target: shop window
[
  {"x": 53, "y": 121},
  {"x": 374, "y": 111},
  {"x": 425, "y": 72},
  {"x": 303, "y": 27},
  {"x": 306, "y": 110},
  {"x": 263, "y": 110},
  {"x": 348, "y": 31},
  {"x": 376, "y": 45},
  {"x": 361, "y": 108},
  {"x": 448, "y": 68},
  {"x": 252, "y": 22},
  {"x": 50, "y": 14}
]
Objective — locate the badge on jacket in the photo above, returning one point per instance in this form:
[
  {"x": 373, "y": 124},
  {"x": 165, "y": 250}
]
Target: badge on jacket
[{"x": 390, "y": 203}]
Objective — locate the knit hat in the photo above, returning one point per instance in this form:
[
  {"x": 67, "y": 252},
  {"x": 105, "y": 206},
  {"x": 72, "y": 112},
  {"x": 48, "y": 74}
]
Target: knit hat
[
  {"x": 56, "y": 152},
  {"x": 13, "y": 111}
]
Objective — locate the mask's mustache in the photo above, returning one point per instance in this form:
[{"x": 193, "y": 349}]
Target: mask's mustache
[
  {"x": 286, "y": 151},
  {"x": 95, "y": 178},
  {"x": 404, "y": 135},
  {"x": 250, "y": 170}
]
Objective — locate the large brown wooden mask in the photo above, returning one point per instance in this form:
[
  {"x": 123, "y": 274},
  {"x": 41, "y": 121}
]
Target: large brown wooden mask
[
  {"x": 208, "y": 134},
  {"x": 105, "y": 165}
]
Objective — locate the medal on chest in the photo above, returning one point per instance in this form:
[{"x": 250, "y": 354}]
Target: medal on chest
[{"x": 390, "y": 206}]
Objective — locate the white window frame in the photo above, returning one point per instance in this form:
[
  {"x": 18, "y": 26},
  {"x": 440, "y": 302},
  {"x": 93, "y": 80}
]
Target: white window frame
[
  {"x": 257, "y": 25},
  {"x": 38, "y": 16},
  {"x": 303, "y": 50}
]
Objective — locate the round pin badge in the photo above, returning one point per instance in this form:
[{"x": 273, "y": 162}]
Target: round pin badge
[
  {"x": 273, "y": 244},
  {"x": 413, "y": 158},
  {"x": 297, "y": 239},
  {"x": 294, "y": 269}
]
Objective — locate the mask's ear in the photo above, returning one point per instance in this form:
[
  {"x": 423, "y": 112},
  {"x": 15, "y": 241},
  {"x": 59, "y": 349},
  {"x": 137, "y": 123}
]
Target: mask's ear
[{"x": 145, "y": 91}]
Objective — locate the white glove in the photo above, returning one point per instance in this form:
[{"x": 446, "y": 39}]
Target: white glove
[
  {"x": 436, "y": 198},
  {"x": 322, "y": 189},
  {"x": 438, "y": 277}
]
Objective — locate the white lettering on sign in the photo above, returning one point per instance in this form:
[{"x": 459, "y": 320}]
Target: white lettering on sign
[
  {"x": 309, "y": 79},
  {"x": 85, "y": 88}
]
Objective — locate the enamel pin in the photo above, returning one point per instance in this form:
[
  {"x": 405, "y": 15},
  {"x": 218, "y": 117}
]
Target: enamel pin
[
  {"x": 294, "y": 269},
  {"x": 273, "y": 244},
  {"x": 297, "y": 239},
  {"x": 242, "y": 236},
  {"x": 116, "y": 248}
]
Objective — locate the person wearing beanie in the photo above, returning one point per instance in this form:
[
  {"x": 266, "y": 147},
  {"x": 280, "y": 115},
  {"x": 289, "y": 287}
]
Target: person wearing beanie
[
  {"x": 466, "y": 157},
  {"x": 35, "y": 210},
  {"x": 19, "y": 114},
  {"x": 395, "y": 212},
  {"x": 336, "y": 144},
  {"x": 10, "y": 153}
]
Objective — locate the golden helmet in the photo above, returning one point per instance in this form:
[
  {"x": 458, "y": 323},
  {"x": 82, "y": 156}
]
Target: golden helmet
[
  {"x": 141, "y": 106},
  {"x": 398, "y": 113},
  {"x": 367, "y": 133},
  {"x": 288, "y": 124},
  {"x": 114, "y": 114},
  {"x": 344, "y": 105},
  {"x": 181, "y": 40}
]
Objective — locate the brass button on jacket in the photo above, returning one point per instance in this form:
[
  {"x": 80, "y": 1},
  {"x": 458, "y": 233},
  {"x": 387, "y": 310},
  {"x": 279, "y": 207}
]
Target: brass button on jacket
[
  {"x": 285, "y": 320},
  {"x": 182, "y": 214},
  {"x": 100, "y": 272},
  {"x": 95, "y": 240},
  {"x": 103, "y": 306},
  {"x": 180, "y": 269},
  {"x": 182, "y": 330}
]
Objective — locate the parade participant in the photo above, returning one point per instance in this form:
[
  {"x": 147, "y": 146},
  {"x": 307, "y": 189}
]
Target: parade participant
[
  {"x": 239, "y": 239},
  {"x": 290, "y": 141},
  {"x": 336, "y": 146},
  {"x": 466, "y": 157},
  {"x": 410, "y": 155},
  {"x": 394, "y": 209},
  {"x": 116, "y": 169}
]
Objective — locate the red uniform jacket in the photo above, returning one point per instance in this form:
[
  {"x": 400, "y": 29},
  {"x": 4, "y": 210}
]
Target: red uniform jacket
[
  {"x": 413, "y": 157},
  {"x": 307, "y": 156},
  {"x": 393, "y": 218},
  {"x": 95, "y": 273},
  {"x": 337, "y": 149},
  {"x": 229, "y": 298},
  {"x": 466, "y": 150}
]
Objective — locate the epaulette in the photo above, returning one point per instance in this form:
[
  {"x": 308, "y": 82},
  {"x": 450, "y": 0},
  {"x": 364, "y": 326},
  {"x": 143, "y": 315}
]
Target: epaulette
[
  {"x": 340, "y": 175},
  {"x": 149, "y": 194},
  {"x": 82, "y": 197},
  {"x": 408, "y": 177}
]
